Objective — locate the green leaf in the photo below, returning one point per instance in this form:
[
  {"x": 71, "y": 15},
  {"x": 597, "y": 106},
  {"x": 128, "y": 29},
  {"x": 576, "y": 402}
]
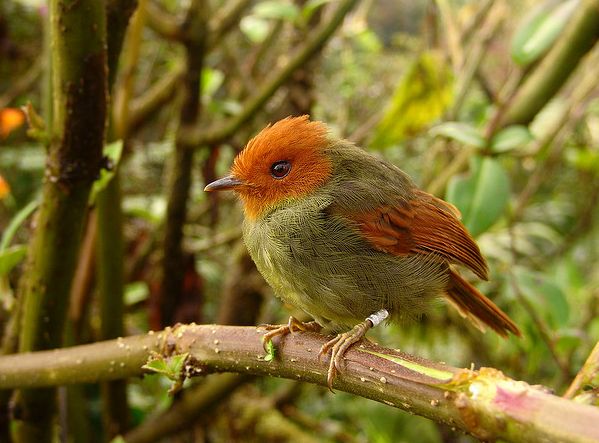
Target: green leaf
[
  {"x": 545, "y": 295},
  {"x": 277, "y": 10},
  {"x": 539, "y": 30},
  {"x": 171, "y": 367},
  {"x": 16, "y": 222},
  {"x": 482, "y": 196},
  {"x": 255, "y": 28},
  {"x": 157, "y": 365},
  {"x": 270, "y": 351},
  {"x": 512, "y": 137},
  {"x": 422, "y": 95},
  {"x": 176, "y": 364},
  {"x": 11, "y": 257},
  {"x": 461, "y": 132},
  {"x": 113, "y": 153}
]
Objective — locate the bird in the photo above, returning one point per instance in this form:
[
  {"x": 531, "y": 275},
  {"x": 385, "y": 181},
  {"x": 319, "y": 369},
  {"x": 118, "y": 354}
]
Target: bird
[{"x": 349, "y": 238}]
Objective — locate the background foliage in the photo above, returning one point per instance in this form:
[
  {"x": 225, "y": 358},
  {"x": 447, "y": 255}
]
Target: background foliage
[{"x": 437, "y": 87}]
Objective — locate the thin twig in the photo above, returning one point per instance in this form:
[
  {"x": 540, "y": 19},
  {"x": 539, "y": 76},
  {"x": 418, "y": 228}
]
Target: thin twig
[{"x": 198, "y": 137}]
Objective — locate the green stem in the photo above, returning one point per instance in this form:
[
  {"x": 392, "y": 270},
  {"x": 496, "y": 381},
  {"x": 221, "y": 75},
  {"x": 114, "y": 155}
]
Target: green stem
[
  {"x": 74, "y": 159},
  {"x": 588, "y": 376},
  {"x": 110, "y": 291},
  {"x": 546, "y": 80},
  {"x": 110, "y": 244}
]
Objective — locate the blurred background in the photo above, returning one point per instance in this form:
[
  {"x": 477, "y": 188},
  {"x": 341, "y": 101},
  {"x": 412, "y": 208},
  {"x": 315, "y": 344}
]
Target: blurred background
[{"x": 492, "y": 105}]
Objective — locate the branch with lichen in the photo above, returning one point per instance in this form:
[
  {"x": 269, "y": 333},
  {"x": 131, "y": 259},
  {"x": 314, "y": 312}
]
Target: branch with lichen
[{"x": 484, "y": 403}]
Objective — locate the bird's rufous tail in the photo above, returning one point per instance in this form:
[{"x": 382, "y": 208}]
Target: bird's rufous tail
[{"x": 478, "y": 308}]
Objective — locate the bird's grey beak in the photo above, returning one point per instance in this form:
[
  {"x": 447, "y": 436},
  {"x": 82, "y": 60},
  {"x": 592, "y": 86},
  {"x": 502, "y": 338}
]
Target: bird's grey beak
[{"x": 222, "y": 184}]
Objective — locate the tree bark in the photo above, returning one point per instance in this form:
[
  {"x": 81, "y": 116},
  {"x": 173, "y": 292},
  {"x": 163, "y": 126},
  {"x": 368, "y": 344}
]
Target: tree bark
[{"x": 74, "y": 161}]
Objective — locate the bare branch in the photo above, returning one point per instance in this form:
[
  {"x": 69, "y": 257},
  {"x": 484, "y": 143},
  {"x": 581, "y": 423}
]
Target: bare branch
[
  {"x": 484, "y": 403},
  {"x": 197, "y": 137}
]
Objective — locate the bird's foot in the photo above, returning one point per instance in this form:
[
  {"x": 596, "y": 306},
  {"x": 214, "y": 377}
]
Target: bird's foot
[
  {"x": 293, "y": 325},
  {"x": 339, "y": 345}
]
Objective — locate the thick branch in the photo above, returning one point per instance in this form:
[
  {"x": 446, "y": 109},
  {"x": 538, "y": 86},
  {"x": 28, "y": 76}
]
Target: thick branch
[
  {"x": 74, "y": 160},
  {"x": 197, "y": 137},
  {"x": 484, "y": 403}
]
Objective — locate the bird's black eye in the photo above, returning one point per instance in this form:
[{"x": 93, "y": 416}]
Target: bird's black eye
[{"x": 280, "y": 169}]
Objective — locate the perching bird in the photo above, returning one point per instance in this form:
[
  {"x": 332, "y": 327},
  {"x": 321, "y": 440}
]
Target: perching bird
[{"x": 349, "y": 238}]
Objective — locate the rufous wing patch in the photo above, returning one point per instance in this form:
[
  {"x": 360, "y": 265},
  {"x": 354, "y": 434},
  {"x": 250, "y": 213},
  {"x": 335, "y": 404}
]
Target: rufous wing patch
[{"x": 423, "y": 225}]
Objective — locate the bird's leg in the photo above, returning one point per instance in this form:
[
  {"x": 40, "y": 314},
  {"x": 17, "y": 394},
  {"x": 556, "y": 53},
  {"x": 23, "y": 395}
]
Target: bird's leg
[
  {"x": 292, "y": 326},
  {"x": 341, "y": 343}
]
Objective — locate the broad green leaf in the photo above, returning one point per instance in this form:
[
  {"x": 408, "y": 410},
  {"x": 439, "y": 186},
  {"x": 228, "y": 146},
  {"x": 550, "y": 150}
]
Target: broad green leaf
[
  {"x": 512, "y": 137},
  {"x": 461, "y": 132},
  {"x": 545, "y": 295},
  {"x": 113, "y": 152},
  {"x": 539, "y": 30},
  {"x": 255, "y": 28},
  {"x": 460, "y": 192},
  {"x": 422, "y": 95},
  {"x": 16, "y": 222},
  {"x": 11, "y": 257},
  {"x": 482, "y": 196},
  {"x": 277, "y": 9}
]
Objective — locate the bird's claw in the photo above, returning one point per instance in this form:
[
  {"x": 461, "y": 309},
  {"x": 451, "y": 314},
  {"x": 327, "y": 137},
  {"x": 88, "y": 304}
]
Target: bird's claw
[
  {"x": 338, "y": 346},
  {"x": 292, "y": 326}
]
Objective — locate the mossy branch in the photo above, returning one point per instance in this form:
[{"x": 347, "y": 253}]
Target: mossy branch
[{"x": 484, "y": 403}]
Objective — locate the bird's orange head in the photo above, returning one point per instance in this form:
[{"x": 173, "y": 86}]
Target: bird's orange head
[{"x": 285, "y": 160}]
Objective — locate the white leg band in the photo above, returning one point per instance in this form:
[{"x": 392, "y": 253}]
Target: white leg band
[{"x": 378, "y": 317}]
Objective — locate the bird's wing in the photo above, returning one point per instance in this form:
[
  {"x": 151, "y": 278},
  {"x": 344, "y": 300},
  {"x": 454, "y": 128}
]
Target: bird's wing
[{"x": 424, "y": 224}]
